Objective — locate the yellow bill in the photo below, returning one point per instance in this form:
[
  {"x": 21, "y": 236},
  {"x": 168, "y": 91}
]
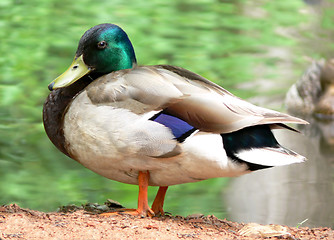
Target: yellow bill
[{"x": 77, "y": 70}]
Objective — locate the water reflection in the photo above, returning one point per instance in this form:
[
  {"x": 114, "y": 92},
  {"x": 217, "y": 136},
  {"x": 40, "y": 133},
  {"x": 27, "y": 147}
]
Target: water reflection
[{"x": 288, "y": 195}]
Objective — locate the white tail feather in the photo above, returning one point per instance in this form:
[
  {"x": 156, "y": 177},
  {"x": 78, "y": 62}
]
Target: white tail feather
[{"x": 270, "y": 156}]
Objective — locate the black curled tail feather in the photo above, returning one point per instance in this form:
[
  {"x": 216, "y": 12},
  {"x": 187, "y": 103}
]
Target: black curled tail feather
[{"x": 254, "y": 137}]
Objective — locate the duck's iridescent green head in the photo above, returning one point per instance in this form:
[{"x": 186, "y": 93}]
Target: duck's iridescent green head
[{"x": 102, "y": 49}]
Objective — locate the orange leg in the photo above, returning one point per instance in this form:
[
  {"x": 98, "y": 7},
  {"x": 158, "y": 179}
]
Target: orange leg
[
  {"x": 158, "y": 203},
  {"x": 143, "y": 209}
]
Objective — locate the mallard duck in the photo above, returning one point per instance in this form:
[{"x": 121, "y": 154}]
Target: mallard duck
[
  {"x": 155, "y": 125},
  {"x": 313, "y": 93}
]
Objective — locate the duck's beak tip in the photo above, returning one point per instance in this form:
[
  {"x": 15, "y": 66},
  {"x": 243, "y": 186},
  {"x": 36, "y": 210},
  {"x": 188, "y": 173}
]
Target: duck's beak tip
[{"x": 50, "y": 87}]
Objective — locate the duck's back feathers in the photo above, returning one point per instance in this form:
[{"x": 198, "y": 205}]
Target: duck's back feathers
[{"x": 183, "y": 94}]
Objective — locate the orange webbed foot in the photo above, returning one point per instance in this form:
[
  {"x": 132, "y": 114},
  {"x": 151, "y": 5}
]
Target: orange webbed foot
[
  {"x": 134, "y": 212},
  {"x": 143, "y": 209}
]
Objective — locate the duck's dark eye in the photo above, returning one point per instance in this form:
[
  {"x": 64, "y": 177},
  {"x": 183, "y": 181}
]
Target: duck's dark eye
[{"x": 102, "y": 45}]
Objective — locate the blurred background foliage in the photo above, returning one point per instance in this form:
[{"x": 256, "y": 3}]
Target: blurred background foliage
[{"x": 241, "y": 45}]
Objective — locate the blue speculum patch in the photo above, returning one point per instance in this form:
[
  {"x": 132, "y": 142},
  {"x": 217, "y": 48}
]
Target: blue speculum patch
[{"x": 180, "y": 129}]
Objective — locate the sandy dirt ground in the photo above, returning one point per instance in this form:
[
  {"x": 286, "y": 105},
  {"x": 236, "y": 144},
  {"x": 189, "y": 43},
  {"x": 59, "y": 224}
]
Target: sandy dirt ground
[{"x": 78, "y": 223}]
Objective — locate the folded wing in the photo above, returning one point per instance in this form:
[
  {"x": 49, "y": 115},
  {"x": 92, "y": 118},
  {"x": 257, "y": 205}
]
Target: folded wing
[{"x": 185, "y": 95}]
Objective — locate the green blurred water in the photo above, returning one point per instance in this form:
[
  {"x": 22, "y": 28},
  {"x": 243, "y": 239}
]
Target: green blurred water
[{"x": 252, "y": 48}]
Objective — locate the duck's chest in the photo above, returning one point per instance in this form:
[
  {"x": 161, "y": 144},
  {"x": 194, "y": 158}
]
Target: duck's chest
[
  {"x": 97, "y": 130},
  {"x": 54, "y": 109}
]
